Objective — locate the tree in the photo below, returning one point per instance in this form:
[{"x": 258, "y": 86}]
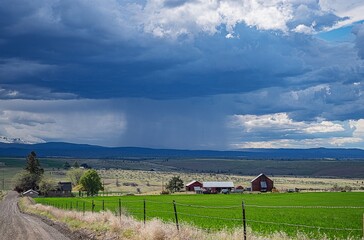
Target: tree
[
  {"x": 76, "y": 165},
  {"x": 47, "y": 184},
  {"x": 66, "y": 166},
  {"x": 33, "y": 166},
  {"x": 31, "y": 176},
  {"x": 175, "y": 184},
  {"x": 75, "y": 175},
  {"x": 25, "y": 181},
  {"x": 91, "y": 182}
]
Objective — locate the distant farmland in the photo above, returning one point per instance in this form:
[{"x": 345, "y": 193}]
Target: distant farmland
[
  {"x": 334, "y": 168},
  {"x": 337, "y": 215}
]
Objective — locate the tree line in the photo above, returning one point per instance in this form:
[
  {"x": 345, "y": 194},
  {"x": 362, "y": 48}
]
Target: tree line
[{"x": 32, "y": 177}]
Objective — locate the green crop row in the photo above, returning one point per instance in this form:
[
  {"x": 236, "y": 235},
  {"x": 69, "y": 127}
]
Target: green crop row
[{"x": 337, "y": 215}]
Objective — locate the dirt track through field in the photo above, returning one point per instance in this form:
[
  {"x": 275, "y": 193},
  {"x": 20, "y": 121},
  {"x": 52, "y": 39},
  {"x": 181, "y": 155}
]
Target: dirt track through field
[{"x": 15, "y": 225}]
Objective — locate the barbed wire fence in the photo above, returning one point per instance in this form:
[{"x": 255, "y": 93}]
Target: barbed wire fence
[{"x": 179, "y": 211}]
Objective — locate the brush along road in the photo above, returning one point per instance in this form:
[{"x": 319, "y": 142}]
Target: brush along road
[{"x": 16, "y": 225}]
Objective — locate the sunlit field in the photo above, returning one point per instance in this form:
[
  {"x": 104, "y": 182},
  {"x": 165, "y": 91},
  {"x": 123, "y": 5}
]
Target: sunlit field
[{"x": 315, "y": 214}]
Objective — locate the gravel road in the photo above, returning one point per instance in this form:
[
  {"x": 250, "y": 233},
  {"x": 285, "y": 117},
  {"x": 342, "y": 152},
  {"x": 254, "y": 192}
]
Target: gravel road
[{"x": 15, "y": 225}]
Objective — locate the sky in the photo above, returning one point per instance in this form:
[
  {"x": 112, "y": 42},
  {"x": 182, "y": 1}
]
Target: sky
[{"x": 185, "y": 74}]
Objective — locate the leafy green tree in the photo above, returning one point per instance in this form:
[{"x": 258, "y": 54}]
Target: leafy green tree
[
  {"x": 31, "y": 176},
  {"x": 25, "y": 181},
  {"x": 66, "y": 165},
  {"x": 75, "y": 175},
  {"x": 91, "y": 182},
  {"x": 175, "y": 184},
  {"x": 47, "y": 184},
  {"x": 76, "y": 165},
  {"x": 33, "y": 165}
]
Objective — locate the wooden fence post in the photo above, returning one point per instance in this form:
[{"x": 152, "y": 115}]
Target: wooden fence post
[
  {"x": 144, "y": 212},
  {"x": 244, "y": 219},
  {"x": 175, "y": 214},
  {"x": 93, "y": 206},
  {"x": 120, "y": 209}
]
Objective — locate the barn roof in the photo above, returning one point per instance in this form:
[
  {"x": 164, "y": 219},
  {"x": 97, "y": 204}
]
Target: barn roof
[
  {"x": 218, "y": 184},
  {"x": 192, "y": 182},
  {"x": 30, "y": 191},
  {"x": 262, "y": 174}
]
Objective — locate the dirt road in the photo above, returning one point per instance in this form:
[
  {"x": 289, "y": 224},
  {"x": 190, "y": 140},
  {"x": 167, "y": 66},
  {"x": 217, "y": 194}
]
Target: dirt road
[{"x": 15, "y": 225}]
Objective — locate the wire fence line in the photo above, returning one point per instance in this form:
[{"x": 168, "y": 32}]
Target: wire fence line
[
  {"x": 327, "y": 207},
  {"x": 133, "y": 207},
  {"x": 210, "y": 217},
  {"x": 305, "y": 226},
  {"x": 208, "y": 207}
]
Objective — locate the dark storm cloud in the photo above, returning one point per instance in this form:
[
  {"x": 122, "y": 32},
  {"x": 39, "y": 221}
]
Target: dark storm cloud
[
  {"x": 178, "y": 73},
  {"x": 98, "y": 51}
]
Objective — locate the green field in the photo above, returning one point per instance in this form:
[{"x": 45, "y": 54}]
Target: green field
[{"x": 338, "y": 215}]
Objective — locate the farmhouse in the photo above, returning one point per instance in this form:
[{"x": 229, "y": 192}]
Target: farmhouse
[
  {"x": 192, "y": 185},
  {"x": 216, "y": 187},
  {"x": 64, "y": 189},
  {"x": 30, "y": 193},
  {"x": 262, "y": 183}
]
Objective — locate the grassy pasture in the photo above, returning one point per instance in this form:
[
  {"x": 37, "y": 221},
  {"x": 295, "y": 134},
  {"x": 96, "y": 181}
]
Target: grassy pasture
[
  {"x": 300, "y": 174},
  {"x": 150, "y": 182},
  {"x": 216, "y": 212}
]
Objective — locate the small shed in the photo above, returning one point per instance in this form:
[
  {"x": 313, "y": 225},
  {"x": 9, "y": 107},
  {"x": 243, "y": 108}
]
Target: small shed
[
  {"x": 216, "y": 187},
  {"x": 190, "y": 187},
  {"x": 262, "y": 183},
  {"x": 30, "y": 193},
  {"x": 65, "y": 187}
]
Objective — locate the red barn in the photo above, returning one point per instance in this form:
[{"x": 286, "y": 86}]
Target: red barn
[
  {"x": 262, "y": 183},
  {"x": 191, "y": 186}
]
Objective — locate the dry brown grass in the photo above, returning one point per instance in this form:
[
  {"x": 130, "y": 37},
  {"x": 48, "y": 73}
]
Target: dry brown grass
[
  {"x": 150, "y": 182},
  {"x": 107, "y": 226}
]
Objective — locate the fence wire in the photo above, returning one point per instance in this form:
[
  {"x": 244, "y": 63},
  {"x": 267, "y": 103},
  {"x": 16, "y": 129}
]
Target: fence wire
[
  {"x": 305, "y": 226},
  {"x": 131, "y": 210},
  {"x": 327, "y": 207},
  {"x": 211, "y": 217},
  {"x": 208, "y": 207}
]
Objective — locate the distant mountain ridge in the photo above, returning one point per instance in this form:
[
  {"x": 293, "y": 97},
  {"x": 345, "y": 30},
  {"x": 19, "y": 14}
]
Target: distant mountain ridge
[
  {"x": 61, "y": 149},
  {"x": 4, "y": 139}
]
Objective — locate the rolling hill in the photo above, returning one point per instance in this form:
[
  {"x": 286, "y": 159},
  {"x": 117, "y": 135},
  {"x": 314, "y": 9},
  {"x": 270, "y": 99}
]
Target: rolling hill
[{"x": 61, "y": 149}]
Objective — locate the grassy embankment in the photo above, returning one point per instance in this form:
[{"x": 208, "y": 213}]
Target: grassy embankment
[{"x": 217, "y": 212}]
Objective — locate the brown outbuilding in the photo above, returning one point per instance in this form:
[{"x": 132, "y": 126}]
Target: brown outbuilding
[{"x": 262, "y": 183}]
